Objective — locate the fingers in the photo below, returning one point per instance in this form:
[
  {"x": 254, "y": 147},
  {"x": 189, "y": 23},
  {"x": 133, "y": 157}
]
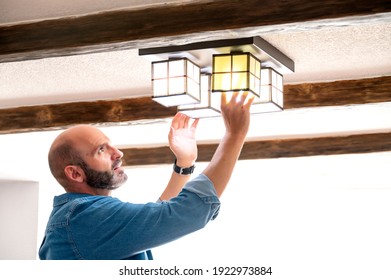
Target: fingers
[
  {"x": 194, "y": 124},
  {"x": 241, "y": 99},
  {"x": 249, "y": 102},
  {"x": 182, "y": 121}
]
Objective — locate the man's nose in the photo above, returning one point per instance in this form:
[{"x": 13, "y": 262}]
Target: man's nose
[{"x": 116, "y": 153}]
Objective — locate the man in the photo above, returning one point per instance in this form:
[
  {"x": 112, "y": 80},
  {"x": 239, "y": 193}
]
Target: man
[{"x": 87, "y": 223}]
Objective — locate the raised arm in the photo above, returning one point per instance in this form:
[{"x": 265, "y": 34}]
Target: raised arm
[
  {"x": 236, "y": 115},
  {"x": 181, "y": 139}
]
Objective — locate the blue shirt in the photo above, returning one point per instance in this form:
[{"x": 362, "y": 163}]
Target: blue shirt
[{"x": 83, "y": 226}]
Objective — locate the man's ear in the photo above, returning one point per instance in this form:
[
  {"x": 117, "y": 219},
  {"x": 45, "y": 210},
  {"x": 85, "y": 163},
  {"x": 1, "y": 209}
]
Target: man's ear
[{"x": 74, "y": 173}]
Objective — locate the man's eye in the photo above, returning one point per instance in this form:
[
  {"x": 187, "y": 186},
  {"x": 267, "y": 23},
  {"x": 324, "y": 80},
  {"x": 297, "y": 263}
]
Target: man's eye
[{"x": 101, "y": 150}]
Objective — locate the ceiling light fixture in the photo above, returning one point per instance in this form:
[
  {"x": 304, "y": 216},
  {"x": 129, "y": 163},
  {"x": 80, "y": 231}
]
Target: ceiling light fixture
[
  {"x": 175, "y": 82},
  {"x": 271, "y": 98},
  {"x": 236, "y": 72},
  {"x": 245, "y": 64},
  {"x": 209, "y": 105}
]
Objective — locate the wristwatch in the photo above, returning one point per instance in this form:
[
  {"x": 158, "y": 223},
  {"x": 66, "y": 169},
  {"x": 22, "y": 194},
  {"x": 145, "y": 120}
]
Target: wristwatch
[{"x": 183, "y": 170}]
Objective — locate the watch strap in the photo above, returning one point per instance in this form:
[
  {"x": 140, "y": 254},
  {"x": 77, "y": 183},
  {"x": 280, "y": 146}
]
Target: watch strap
[{"x": 183, "y": 170}]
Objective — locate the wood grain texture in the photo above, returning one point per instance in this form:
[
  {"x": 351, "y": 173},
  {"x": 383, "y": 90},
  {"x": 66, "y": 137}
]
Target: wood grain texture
[
  {"x": 47, "y": 117},
  {"x": 338, "y": 93},
  {"x": 140, "y": 28},
  {"x": 55, "y": 116},
  {"x": 352, "y": 144}
]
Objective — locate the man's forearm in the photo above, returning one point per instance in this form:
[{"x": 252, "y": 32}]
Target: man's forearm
[
  {"x": 220, "y": 168},
  {"x": 174, "y": 186},
  {"x": 177, "y": 181}
]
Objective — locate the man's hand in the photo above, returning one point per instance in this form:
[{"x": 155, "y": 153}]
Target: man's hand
[
  {"x": 181, "y": 139},
  {"x": 236, "y": 113}
]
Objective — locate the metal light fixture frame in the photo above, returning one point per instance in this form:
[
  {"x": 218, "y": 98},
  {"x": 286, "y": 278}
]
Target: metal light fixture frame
[
  {"x": 171, "y": 73},
  {"x": 242, "y": 72},
  {"x": 201, "y": 53},
  {"x": 208, "y": 106}
]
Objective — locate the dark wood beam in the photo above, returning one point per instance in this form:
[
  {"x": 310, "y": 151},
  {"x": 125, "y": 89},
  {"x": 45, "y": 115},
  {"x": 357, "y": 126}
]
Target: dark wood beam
[
  {"x": 141, "y": 28},
  {"x": 56, "y": 116},
  {"x": 48, "y": 117},
  {"x": 338, "y": 93},
  {"x": 353, "y": 144}
]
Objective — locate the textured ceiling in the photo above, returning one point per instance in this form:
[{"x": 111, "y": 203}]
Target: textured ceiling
[
  {"x": 332, "y": 53},
  {"x": 17, "y": 11},
  {"x": 329, "y": 53}
]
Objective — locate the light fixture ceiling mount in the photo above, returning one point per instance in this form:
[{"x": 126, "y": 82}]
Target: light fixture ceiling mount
[{"x": 244, "y": 64}]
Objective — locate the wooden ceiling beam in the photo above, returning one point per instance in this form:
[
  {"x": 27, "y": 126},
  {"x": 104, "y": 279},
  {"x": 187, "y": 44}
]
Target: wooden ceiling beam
[
  {"x": 152, "y": 26},
  {"x": 55, "y": 116},
  {"x": 353, "y": 144}
]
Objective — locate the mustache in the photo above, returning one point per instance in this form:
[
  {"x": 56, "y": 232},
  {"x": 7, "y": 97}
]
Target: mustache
[{"x": 116, "y": 163}]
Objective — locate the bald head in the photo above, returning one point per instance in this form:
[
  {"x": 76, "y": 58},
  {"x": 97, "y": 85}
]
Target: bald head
[
  {"x": 66, "y": 150},
  {"x": 63, "y": 152},
  {"x": 82, "y": 158}
]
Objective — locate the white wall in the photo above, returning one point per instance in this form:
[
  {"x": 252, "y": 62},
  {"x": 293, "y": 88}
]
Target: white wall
[
  {"x": 322, "y": 217},
  {"x": 18, "y": 219},
  {"x": 302, "y": 216}
]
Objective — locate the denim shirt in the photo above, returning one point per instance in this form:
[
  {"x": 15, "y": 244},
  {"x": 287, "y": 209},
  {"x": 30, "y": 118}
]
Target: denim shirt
[{"x": 83, "y": 226}]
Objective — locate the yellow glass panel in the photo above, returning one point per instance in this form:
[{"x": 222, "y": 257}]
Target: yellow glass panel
[
  {"x": 257, "y": 71},
  {"x": 239, "y": 62},
  {"x": 222, "y": 82},
  {"x": 252, "y": 65},
  {"x": 222, "y": 63},
  {"x": 254, "y": 84},
  {"x": 240, "y": 81}
]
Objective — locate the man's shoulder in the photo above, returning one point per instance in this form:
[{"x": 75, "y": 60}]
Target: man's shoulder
[{"x": 79, "y": 199}]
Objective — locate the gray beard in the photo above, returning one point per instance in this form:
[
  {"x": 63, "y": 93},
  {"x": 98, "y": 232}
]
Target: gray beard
[{"x": 103, "y": 179}]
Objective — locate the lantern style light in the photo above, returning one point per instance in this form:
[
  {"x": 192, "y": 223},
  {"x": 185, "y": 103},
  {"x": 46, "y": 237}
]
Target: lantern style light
[
  {"x": 271, "y": 98},
  {"x": 209, "y": 105},
  {"x": 176, "y": 82},
  {"x": 236, "y": 72}
]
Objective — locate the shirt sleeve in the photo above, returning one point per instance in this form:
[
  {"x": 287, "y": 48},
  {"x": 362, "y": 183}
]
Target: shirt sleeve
[
  {"x": 203, "y": 187},
  {"x": 111, "y": 229}
]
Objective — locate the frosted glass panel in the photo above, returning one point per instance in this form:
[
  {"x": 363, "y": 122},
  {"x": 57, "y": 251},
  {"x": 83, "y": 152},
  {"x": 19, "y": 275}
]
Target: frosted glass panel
[
  {"x": 176, "y": 85},
  {"x": 160, "y": 87},
  {"x": 159, "y": 70},
  {"x": 177, "y": 68}
]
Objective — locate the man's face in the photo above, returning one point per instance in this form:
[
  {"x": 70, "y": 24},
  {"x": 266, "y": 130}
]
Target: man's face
[{"x": 101, "y": 160}]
